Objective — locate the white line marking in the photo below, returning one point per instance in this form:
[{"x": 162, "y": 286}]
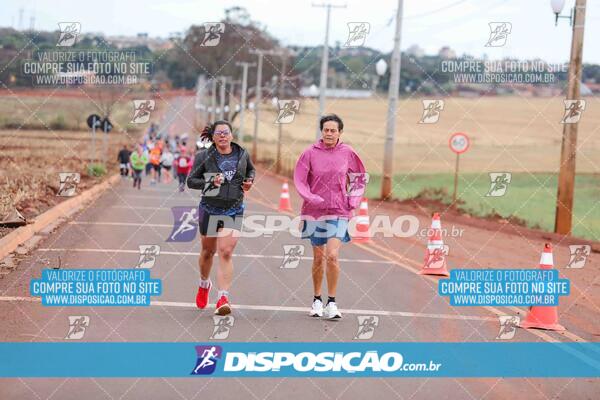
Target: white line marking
[
  {"x": 149, "y": 208},
  {"x": 141, "y": 196},
  {"x": 42, "y": 336},
  {"x": 246, "y": 211},
  {"x": 293, "y": 309},
  {"x": 19, "y": 298},
  {"x": 306, "y": 309},
  {"x": 261, "y": 230},
  {"x": 174, "y": 189},
  {"x": 190, "y": 253},
  {"x": 120, "y": 224}
]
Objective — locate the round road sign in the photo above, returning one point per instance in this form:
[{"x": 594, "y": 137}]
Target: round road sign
[{"x": 459, "y": 143}]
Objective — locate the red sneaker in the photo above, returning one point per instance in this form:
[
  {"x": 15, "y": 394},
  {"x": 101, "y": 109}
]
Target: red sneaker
[
  {"x": 202, "y": 296},
  {"x": 223, "y": 307}
]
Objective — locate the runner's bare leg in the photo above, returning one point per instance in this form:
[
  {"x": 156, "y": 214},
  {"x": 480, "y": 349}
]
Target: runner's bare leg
[
  {"x": 333, "y": 265},
  {"x": 205, "y": 261},
  {"x": 317, "y": 269},
  {"x": 225, "y": 245}
]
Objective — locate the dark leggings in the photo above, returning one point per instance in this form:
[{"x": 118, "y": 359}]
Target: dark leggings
[
  {"x": 137, "y": 177},
  {"x": 182, "y": 178}
]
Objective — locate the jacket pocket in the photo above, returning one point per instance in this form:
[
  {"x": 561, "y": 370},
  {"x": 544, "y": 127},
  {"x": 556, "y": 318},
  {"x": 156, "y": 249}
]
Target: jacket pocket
[{"x": 338, "y": 198}]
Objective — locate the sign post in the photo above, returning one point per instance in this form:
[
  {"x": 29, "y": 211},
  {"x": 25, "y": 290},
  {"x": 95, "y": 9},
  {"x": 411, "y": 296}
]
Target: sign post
[
  {"x": 459, "y": 143},
  {"x": 106, "y": 127},
  {"x": 93, "y": 121}
]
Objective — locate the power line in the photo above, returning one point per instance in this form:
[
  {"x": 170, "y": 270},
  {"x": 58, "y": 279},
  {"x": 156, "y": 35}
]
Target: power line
[{"x": 436, "y": 10}]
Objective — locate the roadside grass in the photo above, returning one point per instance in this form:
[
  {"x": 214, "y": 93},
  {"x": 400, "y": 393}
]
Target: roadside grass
[{"x": 529, "y": 197}]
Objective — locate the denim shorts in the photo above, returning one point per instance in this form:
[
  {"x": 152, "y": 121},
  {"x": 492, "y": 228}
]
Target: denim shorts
[{"x": 318, "y": 231}]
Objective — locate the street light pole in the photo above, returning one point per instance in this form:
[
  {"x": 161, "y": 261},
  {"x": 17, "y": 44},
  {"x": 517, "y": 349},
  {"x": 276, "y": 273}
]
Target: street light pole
[
  {"x": 261, "y": 54},
  {"x": 324, "y": 63},
  {"x": 222, "y": 97},
  {"x": 281, "y": 94},
  {"x": 566, "y": 176},
  {"x": 244, "y": 66},
  {"x": 257, "y": 102},
  {"x": 213, "y": 100},
  {"x": 388, "y": 156},
  {"x": 231, "y": 98}
]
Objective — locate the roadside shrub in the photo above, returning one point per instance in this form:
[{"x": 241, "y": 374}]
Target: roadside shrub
[{"x": 96, "y": 170}]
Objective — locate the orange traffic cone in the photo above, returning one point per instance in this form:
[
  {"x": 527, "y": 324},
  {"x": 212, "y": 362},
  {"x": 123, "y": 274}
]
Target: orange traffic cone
[
  {"x": 284, "y": 199},
  {"x": 543, "y": 317},
  {"x": 435, "y": 259},
  {"x": 362, "y": 234}
]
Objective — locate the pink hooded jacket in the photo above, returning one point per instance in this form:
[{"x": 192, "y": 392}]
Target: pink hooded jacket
[{"x": 321, "y": 177}]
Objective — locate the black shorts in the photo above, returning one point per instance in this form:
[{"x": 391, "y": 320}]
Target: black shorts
[
  {"x": 156, "y": 167},
  {"x": 211, "y": 224},
  {"x": 167, "y": 167},
  {"x": 137, "y": 173}
]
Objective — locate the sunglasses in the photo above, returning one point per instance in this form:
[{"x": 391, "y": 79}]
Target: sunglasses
[{"x": 221, "y": 133}]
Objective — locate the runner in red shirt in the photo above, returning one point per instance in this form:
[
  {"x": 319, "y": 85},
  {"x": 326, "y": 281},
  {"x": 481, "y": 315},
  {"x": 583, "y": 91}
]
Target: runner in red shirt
[{"x": 183, "y": 166}]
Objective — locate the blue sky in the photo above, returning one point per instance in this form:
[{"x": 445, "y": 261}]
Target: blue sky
[{"x": 460, "y": 24}]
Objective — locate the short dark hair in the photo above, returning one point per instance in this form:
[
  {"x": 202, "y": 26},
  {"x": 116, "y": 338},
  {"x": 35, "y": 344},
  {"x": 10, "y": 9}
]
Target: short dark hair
[{"x": 331, "y": 117}]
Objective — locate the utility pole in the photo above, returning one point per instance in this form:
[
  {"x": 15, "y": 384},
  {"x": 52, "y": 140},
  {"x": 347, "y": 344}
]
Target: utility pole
[
  {"x": 324, "y": 63},
  {"x": 280, "y": 95},
  {"x": 244, "y": 66},
  {"x": 200, "y": 107},
  {"x": 222, "y": 97},
  {"x": 213, "y": 100},
  {"x": 566, "y": 176},
  {"x": 231, "y": 98},
  {"x": 390, "y": 132},
  {"x": 258, "y": 101},
  {"x": 21, "y": 19}
]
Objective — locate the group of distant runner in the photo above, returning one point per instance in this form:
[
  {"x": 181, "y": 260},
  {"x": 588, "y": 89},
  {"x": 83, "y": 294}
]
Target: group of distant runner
[{"x": 157, "y": 156}]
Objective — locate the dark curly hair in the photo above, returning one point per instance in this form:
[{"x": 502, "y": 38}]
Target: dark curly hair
[{"x": 207, "y": 132}]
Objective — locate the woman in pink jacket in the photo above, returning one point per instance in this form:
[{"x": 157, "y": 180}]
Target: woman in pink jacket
[{"x": 322, "y": 177}]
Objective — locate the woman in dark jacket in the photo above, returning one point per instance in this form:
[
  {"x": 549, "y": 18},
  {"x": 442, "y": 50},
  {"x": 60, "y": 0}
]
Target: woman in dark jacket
[{"x": 223, "y": 172}]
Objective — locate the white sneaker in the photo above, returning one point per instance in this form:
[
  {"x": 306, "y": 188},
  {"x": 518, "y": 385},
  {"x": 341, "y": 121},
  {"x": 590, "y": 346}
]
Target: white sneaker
[
  {"x": 317, "y": 309},
  {"x": 331, "y": 311}
]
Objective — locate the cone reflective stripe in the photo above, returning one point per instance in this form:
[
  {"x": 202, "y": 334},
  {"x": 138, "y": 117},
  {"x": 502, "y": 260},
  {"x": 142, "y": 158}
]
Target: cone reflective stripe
[
  {"x": 435, "y": 232},
  {"x": 543, "y": 317},
  {"x": 362, "y": 234},
  {"x": 435, "y": 259},
  {"x": 284, "y": 199},
  {"x": 546, "y": 260}
]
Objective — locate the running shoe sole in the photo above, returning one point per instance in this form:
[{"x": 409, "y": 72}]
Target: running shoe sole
[
  {"x": 223, "y": 310},
  {"x": 337, "y": 316},
  {"x": 314, "y": 314}
]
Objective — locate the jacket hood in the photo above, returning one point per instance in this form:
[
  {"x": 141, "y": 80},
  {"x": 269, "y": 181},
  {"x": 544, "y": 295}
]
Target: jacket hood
[{"x": 321, "y": 145}]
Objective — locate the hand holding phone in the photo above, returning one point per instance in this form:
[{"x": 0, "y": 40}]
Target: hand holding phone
[
  {"x": 218, "y": 180},
  {"x": 247, "y": 184}
]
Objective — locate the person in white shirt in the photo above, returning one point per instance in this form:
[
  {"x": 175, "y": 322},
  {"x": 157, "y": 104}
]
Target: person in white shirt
[{"x": 166, "y": 162}]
